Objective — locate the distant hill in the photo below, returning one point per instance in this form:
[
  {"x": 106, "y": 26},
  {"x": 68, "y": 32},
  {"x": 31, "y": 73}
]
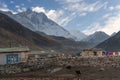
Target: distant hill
[
  {"x": 111, "y": 44},
  {"x": 114, "y": 33},
  {"x": 69, "y": 44},
  {"x": 96, "y": 37}
]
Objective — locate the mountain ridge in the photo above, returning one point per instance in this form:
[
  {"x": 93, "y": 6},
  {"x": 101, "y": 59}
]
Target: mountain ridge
[
  {"x": 111, "y": 44},
  {"x": 40, "y": 22},
  {"x": 9, "y": 25},
  {"x": 78, "y": 34},
  {"x": 96, "y": 37},
  {"x": 20, "y": 35}
]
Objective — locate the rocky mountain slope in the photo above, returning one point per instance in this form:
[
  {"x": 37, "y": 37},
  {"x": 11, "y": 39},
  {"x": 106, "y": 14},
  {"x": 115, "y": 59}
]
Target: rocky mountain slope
[
  {"x": 39, "y": 22},
  {"x": 78, "y": 34},
  {"x": 111, "y": 44},
  {"x": 11, "y": 32},
  {"x": 96, "y": 38}
]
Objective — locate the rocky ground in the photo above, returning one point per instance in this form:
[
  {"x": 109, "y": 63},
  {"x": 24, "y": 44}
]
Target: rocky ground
[{"x": 72, "y": 68}]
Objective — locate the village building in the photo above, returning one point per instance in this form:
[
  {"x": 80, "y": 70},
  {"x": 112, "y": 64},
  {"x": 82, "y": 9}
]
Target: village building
[
  {"x": 13, "y": 55},
  {"x": 110, "y": 54},
  {"x": 92, "y": 52},
  {"x": 117, "y": 53}
]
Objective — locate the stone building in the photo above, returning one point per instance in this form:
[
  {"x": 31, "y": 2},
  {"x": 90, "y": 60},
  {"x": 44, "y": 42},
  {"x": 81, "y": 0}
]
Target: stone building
[{"x": 92, "y": 52}]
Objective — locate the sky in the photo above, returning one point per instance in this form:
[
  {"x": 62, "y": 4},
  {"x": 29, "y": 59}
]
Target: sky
[{"x": 87, "y": 16}]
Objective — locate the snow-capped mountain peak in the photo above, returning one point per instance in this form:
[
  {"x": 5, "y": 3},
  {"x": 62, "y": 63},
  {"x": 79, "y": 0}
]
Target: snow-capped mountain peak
[{"x": 41, "y": 23}]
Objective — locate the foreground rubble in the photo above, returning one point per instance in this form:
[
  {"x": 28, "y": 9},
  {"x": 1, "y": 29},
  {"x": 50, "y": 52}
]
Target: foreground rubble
[{"x": 73, "y": 67}]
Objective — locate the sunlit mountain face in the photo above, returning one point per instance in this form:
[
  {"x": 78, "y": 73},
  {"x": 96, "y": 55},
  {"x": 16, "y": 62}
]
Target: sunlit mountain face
[
  {"x": 39, "y": 22},
  {"x": 87, "y": 16}
]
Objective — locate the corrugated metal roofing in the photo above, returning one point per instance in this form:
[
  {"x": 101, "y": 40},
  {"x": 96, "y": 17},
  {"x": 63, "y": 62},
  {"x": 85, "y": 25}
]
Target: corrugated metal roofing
[{"x": 14, "y": 49}]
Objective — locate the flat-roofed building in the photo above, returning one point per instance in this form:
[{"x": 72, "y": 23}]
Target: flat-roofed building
[
  {"x": 13, "y": 55},
  {"x": 92, "y": 52}
]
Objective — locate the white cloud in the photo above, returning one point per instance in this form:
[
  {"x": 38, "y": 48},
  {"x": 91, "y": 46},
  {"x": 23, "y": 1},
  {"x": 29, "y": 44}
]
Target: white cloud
[
  {"x": 92, "y": 28},
  {"x": 20, "y": 9},
  {"x": 112, "y": 24},
  {"x": 84, "y": 7},
  {"x": 111, "y": 8},
  {"x": 17, "y": 6},
  {"x": 72, "y": 1},
  {"x": 106, "y": 15},
  {"x": 81, "y": 5},
  {"x": 59, "y": 17},
  {"x": 3, "y": 7},
  {"x": 70, "y": 10},
  {"x": 56, "y": 15},
  {"x": 69, "y": 1},
  {"x": 80, "y": 8},
  {"x": 53, "y": 14},
  {"x": 111, "y": 20},
  {"x": 83, "y": 14},
  {"x": 117, "y": 7},
  {"x": 65, "y": 20},
  {"x": 39, "y": 9}
]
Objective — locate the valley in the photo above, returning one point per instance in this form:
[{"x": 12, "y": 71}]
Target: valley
[{"x": 34, "y": 47}]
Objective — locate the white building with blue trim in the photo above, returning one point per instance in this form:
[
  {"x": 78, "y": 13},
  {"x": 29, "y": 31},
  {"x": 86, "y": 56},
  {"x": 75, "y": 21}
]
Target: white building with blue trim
[{"x": 13, "y": 55}]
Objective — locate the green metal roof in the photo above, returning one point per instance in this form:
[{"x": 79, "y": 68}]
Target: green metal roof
[{"x": 14, "y": 49}]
